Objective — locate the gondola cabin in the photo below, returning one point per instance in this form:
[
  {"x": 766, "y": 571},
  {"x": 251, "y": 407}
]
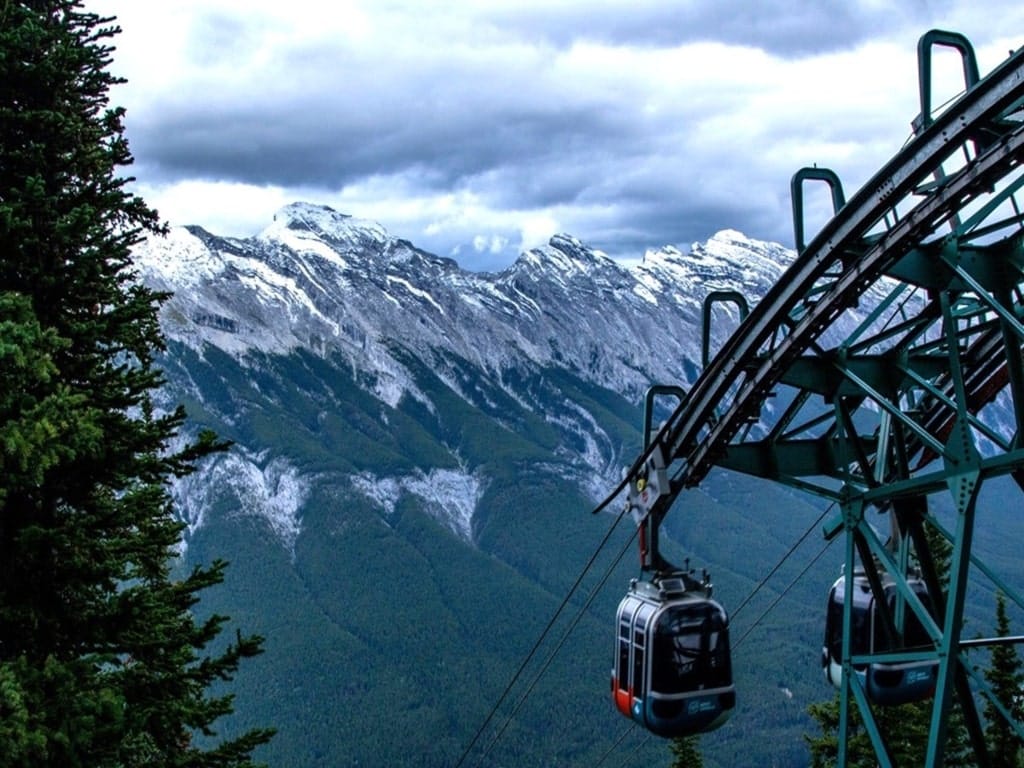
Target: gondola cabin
[
  {"x": 673, "y": 670},
  {"x": 884, "y": 683}
]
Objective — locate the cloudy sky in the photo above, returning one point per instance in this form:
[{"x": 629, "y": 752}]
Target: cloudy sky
[{"x": 479, "y": 128}]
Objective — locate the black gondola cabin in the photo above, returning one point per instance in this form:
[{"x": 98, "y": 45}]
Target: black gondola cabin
[
  {"x": 884, "y": 683},
  {"x": 673, "y": 671}
]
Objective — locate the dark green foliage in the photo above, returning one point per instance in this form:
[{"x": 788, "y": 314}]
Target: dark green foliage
[
  {"x": 101, "y": 660},
  {"x": 904, "y": 728},
  {"x": 824, "y": 749},
  {"x": 686, "y": 753},
  {"x": 1007, "y": 680}
]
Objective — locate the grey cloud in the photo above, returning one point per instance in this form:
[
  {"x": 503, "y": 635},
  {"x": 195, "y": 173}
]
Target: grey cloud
[
  {"x": 624, "y": 185},
  {"x": 684, "y": 219},
  {"x": 627, "y": 226},
  {"x": 446, "y": 131},
  {"x": 292, "y": 149},
  {"x": 781, "y": 27}
]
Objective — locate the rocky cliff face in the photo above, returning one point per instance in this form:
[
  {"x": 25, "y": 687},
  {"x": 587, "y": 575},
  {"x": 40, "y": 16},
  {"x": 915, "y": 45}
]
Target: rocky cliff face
[{"x": 328, "y": 283}]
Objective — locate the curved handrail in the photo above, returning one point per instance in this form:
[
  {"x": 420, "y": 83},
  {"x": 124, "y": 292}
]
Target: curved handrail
[
  {"x": 924, "y": 65},
  {"x": 796, "y": 196}
]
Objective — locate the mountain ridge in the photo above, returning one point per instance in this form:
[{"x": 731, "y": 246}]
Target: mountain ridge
[
  {"x": 417, "y": 445},
  {"x": 338, "y": 286},
  {"x": 300, "y": 259}
]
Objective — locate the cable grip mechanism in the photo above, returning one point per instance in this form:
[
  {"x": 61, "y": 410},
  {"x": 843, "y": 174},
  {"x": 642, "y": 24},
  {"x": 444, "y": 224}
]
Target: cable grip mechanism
[{"x": 648, "y": 486}]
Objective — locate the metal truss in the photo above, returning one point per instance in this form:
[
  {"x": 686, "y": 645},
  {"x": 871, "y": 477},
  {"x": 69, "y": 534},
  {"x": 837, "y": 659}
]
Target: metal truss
[{"x": 923, "y": 395}]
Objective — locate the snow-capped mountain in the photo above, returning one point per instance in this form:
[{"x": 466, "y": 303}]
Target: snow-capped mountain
[
  {"x": 342, "y": 289},
  {"x": 333, "y": 284},
  {"x": 420, "y": 445}
]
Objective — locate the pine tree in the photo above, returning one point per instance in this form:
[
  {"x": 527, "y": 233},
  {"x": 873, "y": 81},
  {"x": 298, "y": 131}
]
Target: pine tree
[
  {"x": 825, "y": 748},
  {"x": 1007, "y": 680},
  {"x": 102, "y": 662},
  {"x": 905, "y": 729},
  {"x": 686, "y": 752}
]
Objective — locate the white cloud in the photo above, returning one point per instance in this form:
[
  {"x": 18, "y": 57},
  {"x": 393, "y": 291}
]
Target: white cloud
[
  {"x": 493, "y": 244},
  {"x": 225, "y": 208},
  {"x": 537, "y": 230}
]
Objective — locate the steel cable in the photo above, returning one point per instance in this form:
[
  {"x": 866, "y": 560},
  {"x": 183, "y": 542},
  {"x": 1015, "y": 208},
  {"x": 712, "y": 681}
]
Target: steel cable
[
  {"x": 558, "y": 647},
  {"x": 547, "y": 629}
]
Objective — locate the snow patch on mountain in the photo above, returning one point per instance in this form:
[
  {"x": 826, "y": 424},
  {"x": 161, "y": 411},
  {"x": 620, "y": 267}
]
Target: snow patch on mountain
[
  {"x": 244, "y": 484},
  {"x": 274, "y": 493},
  {"x": 449, "y": 496},
  {"x": 420, "y": 294},
  {"x": 577, "y": 420},
  {"x": 592, "y": 456},
  {"x": 392, "y": 379},
  {"x": 302, "y": 242},
  {"x": 322, "y": 222},
  {"x": 177, "y": 260},
  {"x": 644, "y": 292}
]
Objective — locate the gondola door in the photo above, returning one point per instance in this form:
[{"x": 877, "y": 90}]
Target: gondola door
[{"x": 629, "y": 679}]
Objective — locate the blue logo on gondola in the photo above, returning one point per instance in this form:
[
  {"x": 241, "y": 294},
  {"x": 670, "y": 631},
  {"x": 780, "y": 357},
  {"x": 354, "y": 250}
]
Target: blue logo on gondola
[{"x": 700, "y": 705}]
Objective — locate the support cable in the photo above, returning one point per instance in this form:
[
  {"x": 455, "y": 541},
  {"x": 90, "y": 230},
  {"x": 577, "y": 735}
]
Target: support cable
[
  {"x": 636, "y": 749},
  {"x": 613, "y": 747},
  {"x": 565, "y": 637},
  {"x": 785, "y": 557},
  {"x": 783, "y": 593},
  {"x": 550, "y": 624}
]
